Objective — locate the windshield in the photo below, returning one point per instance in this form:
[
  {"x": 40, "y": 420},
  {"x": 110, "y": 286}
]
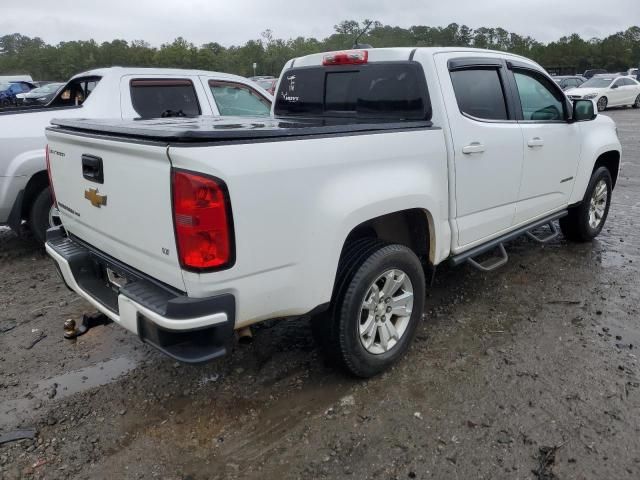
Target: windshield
[
  {"x": 266, "y": 84},
  {"x": 4, "y": 86},
  {"x": 49, "y": 88},
  {"x": 597, "y": 83}
]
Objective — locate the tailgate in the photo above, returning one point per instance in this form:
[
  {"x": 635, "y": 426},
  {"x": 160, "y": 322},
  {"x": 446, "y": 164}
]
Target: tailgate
[{"x": 116, "y": 196}]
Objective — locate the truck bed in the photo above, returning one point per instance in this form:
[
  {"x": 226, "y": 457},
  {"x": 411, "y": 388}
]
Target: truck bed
[{"x": 225, "y": 129}]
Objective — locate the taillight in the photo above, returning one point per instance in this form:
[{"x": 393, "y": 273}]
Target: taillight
[
  {"x": 53, "y": 193},
  {"x": 202, "y": 220},
  {"x": 347, "y": 57}
]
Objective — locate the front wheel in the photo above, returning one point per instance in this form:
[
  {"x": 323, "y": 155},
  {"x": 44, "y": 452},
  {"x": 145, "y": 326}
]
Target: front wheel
[
  {"x": 585, "y": 222},
  {"x": 377, "y": 310},
  {"x": 602, "y": 104}
]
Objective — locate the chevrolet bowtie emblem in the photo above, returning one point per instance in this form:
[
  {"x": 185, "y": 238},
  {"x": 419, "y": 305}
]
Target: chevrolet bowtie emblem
[{"x": 95, "y": 198}]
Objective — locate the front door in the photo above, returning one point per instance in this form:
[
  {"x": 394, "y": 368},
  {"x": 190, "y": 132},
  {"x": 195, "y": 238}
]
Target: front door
[
  {"x": 551, "y": 145},
  {"x": 487, "y": 145}
]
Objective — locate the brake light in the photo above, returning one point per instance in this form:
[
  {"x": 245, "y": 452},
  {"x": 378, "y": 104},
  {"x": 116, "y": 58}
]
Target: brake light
[
  {"x": 53, "y": 193},
  {"x": 347, "y": 57},
  {"x": 202, "y": 220}
]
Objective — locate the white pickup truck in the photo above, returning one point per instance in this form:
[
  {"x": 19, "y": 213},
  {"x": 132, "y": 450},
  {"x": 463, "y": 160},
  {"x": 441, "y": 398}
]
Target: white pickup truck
[
  {"x": 122, "y": 93},
  {"x": 376, "y": 166}
]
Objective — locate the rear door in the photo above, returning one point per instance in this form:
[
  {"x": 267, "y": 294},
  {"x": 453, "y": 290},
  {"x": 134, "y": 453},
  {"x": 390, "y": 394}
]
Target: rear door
[
  {"x": 551, "y": 144},
  {"x": 487, "y": 143},
  {"x": 617, "y": 93},
  {"x": 631, "y": 89},
  {"x": 116, "y": 196}
]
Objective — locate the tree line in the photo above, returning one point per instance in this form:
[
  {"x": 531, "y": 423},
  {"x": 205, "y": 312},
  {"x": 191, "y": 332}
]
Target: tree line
[{"x": 569, "y": 54}]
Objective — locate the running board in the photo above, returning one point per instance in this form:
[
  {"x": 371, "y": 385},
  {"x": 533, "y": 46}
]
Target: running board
[
  {"x": 554, "y": 232},
  {"x": 492, "y": 264}
]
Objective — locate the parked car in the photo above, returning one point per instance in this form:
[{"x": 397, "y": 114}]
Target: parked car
[
  {"x": 595, "y": 71},
  {"x": 9, "y": 90},
  {"x": 16, "y": 78},
  {"x": 261, "y": 77},
  {"x": 569, "y": 81},
  {"x": 111, "y": 93},
  {"x": 608, "y": 91},
  {"x": 632, "y": 72},
  {"x": 377, "y": 166},
  {"x": 269, "y": 84},
  {"x": 39, "y": 96}
]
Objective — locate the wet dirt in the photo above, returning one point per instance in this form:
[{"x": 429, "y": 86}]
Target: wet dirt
[{"x": 532, "y": 368}]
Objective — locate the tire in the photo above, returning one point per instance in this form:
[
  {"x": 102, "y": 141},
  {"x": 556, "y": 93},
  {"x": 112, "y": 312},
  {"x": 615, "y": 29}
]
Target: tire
[
  {"x": 352, "y": 256},
  {"x": 374, "y": 275},
  {"x": 5, "y": 103},
  {"x": 39, "y": 215},
  {"x": 603, "y": 102},
  {"x": 636, "y": 104},
  {"x": 577, "y": 226}
]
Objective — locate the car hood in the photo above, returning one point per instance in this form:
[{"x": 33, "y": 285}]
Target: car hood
[{"x": 585, "y": 91}]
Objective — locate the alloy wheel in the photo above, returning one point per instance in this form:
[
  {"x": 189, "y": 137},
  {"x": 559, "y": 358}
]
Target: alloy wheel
[
  {"x": 598, "y": 204},
  {"x": 386, "y": 311}
]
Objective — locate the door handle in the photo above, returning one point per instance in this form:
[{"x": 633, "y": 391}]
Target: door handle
[
  {"x": 535, "y": 142},
  {"x": 475, "y": 147}
]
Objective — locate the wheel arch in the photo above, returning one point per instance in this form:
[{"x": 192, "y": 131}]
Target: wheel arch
[
  {"x": 610, "y": 160},
  {"x": 412, "y": 227},
  {"x": 38, "y": 182}
]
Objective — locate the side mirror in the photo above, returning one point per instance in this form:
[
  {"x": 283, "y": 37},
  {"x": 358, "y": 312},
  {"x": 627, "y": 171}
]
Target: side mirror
[
  {"x": 583, "y": 111},
  {"x": 614, "y": 86}
]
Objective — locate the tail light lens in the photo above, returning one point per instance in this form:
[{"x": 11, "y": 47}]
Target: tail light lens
[
  {"x": 348, "y": 57},
  {"x": 202, "y": 219},
  {"x": 53, "y": 193}
]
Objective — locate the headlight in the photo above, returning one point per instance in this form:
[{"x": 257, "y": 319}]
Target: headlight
[{"x": 590, "y": 96}]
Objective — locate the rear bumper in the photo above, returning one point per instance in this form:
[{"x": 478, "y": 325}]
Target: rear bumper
[{"x": 192, "y": 330}]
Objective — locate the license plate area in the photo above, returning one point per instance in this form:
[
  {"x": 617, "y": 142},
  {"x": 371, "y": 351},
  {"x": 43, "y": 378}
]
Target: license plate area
[{"x": 103, "y": 281}]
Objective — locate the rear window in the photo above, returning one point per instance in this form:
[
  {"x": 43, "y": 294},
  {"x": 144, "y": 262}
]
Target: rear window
[
  {"x": 157, "y": 98},
  {"x": 385, "y": 90},
  {"x": 479, "y": 93}
]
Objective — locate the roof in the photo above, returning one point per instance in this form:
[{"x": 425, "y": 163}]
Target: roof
[
  {"x": 404, "y": 53},
  {"x": 120, "y": 71}
]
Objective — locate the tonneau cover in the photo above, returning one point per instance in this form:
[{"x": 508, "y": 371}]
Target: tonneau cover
[{"x": 216, "y": 129}]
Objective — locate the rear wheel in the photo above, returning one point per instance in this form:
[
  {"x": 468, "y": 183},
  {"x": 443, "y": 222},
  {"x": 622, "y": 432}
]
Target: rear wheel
[
  {"x": 42, "y": 215},
  {"x": 602, "y": 104},
  {"x": 585, "y": 222},
  {"x": 636, "y": 104},
  {"x": 376, "y": 308}
]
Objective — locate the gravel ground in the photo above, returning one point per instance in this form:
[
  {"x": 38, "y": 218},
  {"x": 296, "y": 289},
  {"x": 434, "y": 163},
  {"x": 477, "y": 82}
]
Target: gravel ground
[{"x": 528, "y": 372}]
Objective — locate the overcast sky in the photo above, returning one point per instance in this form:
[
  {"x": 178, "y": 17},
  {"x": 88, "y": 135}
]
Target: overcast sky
[{"x": 236, "y": 21}]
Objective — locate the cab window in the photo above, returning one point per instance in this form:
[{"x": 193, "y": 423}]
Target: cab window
[
  {"x": 236, "y": 99},
  {"x": 539, "y": 100}
]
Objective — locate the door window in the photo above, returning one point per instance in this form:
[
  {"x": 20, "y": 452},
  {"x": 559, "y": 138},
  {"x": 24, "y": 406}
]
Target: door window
[
  {"x": 162, "y": 98},
  {"x": 539, "y": 101},
  {"x": 238, "y": 99},
  {"x": 479, "y": 93},
  {"x": 618, "y": 83},
  {"x": 75, "y": 92}
]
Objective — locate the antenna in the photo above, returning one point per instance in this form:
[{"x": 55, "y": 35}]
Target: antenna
[{"x": 364, "y": 30}]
